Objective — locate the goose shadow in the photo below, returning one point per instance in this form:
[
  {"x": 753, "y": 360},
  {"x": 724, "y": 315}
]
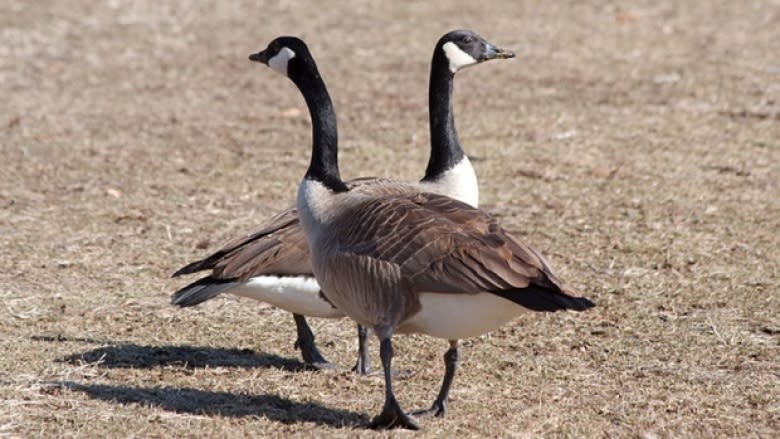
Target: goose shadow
[
  {"x": 131, "y": 355},
  {"x": 201, "y": 402}
]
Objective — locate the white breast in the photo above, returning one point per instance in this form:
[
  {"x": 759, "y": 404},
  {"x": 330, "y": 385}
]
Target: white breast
[
  {"x": 318, "y": 206},
  {"x": 459, "y": 183},
  {"x": 314, "y": 208},
  {"x": 296, "y": 294},
  {"x": 456, "y": 316}
]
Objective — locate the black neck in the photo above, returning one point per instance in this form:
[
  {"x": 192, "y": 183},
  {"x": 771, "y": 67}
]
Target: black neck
[
  {"x": 324, "y": 165},
  {"x": 445, "y": 147}
]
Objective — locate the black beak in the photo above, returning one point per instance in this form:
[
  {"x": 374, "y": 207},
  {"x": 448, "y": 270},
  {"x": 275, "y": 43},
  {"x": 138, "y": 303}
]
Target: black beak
[
  {"x": 493, "y": 52},
  {"x": 259, "y": 57}
]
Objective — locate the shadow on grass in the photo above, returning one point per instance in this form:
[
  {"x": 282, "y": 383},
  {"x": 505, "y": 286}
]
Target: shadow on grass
[
  {"x": 200, "y": 402},
  {"x": 130, "y": 355}
]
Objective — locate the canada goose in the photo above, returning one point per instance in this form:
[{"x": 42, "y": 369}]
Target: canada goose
[
  {"x": 272, "y": 264},
  {"x": 408, "y": 262}
]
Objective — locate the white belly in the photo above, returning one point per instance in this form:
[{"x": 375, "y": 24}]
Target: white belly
[
  {"x": 456, "y": 316},
  {"x": 296, "y": 294}
]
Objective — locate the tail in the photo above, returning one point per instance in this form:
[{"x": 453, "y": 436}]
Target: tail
[
  {"x": 203, "y": 264},
  {"x": 201, "y": 291},
  {"x": 539, "y": 298}
]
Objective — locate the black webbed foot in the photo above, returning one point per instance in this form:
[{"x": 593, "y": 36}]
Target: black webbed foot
[
  {"x": 437, "y": 410},
  {"x": 393, "y": 417},
  {"x": 305, "y": 342}
]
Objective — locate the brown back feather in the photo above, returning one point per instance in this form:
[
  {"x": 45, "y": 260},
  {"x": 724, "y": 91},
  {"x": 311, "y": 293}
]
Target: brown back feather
[
  {"x": 442, "y": 245},
  {"x": 279, "y": 245}
]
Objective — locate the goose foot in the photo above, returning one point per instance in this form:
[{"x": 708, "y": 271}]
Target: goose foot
[
  {"x": 437, "y": 410},
  {"x": 312, "y": 357},
  {"x": 439, "y": 407},
  {"x": 305, "y": 342},
  {"x": 393, "y": 417}
]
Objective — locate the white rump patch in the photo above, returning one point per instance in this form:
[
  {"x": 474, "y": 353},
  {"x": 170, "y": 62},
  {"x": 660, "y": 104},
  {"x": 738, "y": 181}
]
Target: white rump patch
[
  {"x": 280, "y": 60},
  {"x": 296, "y": 294},
  {"x": 456, "y": 316},
  {"x": 458, "y": 58}
]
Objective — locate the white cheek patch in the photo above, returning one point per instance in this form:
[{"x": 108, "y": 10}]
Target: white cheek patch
[
  {"x": 280, "y": 60},
  {"x": 458, "y": 58}
]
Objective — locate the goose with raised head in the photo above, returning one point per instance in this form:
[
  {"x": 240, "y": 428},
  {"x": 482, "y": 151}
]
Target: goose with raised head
[
  {"x": 411, "y": 262},
  {"x": 272, "y": 263}
]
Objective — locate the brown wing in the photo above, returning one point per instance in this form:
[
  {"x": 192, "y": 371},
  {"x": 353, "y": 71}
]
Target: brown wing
[
  {"x": 443, "y": 245},
  {"x": 278, "y": 246}
]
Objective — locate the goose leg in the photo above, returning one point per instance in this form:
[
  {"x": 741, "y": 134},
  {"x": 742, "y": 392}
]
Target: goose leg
[
  {"x": 392, "y": 415},
  {"x": 305, "y": 342},
  {"x": 439, "y": 407},
  {"x": 363, "y": 365}
]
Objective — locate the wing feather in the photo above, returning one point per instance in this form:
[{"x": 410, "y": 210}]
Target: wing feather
[
  {"x": 443, "y": 245},
  {"x": 278, "y": 246}
]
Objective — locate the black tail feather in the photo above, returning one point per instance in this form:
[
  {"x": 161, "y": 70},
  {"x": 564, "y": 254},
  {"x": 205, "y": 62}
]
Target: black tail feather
[
  {"x": 201, "y": 291},
  {"x": 189, "y": 268},
  {"x": 538, "y": 298},
  {"x": 203, "y": 264}
]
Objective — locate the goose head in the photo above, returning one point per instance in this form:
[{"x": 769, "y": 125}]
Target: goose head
[
  {"x": 462, "y": 48},
  {"x": 286, "y": 55}
]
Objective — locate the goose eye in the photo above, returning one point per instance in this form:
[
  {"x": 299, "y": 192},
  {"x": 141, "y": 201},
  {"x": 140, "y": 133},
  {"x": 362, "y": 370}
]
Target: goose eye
[{"x": 468, "y": 40}]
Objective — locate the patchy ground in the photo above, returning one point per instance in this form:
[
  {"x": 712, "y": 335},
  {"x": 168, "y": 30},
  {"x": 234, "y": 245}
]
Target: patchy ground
[{"x": 637, "y": 146}]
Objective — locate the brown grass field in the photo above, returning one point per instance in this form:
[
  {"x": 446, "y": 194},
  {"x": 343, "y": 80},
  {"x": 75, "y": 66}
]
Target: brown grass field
[{"x": 636, "y": 145}]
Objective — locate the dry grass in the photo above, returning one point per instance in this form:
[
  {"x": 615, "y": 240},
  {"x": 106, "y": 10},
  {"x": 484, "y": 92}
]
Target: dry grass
[{"x": 637, "y": 146}]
